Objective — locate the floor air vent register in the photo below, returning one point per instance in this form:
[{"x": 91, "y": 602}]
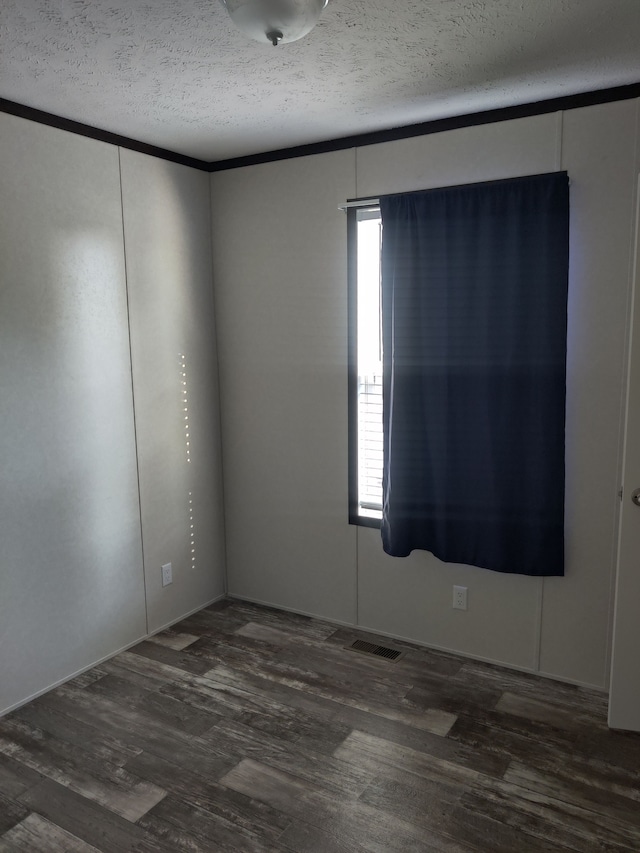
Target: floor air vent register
[{"x": 372, "y": 649}]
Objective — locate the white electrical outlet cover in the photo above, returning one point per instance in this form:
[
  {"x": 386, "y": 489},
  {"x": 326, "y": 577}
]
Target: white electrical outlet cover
[{"x": 460, "y": 597}]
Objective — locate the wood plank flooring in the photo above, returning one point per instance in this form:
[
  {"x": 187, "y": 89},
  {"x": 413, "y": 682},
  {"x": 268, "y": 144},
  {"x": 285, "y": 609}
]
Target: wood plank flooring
[{"x": 248, "y": 729}]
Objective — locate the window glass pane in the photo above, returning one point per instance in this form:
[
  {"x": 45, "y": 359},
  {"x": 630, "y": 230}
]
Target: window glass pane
[{"x": 369, "y": 367}]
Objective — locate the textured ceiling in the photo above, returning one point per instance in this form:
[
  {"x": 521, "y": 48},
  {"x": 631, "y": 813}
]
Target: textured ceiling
[{"x": 176, "y": 74}]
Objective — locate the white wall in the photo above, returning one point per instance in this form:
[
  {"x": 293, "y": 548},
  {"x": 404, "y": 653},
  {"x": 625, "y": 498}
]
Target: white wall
[
  {"x": 279, "y": 249},
  {"x": 71, "y": 570},
  {"x": 280, "y": 283},
  {"x": 624, "y": 693},
  {"x": 168, "y": 251},
  {"x": 599, "y": 154},
  {"x": 72, "y": 584}
]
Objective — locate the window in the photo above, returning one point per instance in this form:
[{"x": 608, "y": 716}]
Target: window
[
  {"x": 365, "y": 392},
  {"x": 459, "y": 322}
]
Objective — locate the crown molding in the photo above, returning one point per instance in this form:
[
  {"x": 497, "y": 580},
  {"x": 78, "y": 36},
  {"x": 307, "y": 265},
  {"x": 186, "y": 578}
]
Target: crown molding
[
  {"x": 87, "y": 130},
  {"x": 567, "y": 102}
]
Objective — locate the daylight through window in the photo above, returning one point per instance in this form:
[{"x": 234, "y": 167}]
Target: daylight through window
[{"x": 368, "y": 234}]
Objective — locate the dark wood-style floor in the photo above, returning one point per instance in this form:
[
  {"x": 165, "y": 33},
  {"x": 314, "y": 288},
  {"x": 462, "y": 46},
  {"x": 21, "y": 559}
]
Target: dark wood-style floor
[{"x": 246, "y": 729}]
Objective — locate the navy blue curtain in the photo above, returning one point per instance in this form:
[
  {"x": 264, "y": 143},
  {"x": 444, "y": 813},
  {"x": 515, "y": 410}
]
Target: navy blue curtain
[{"x": 474, "y": 315}]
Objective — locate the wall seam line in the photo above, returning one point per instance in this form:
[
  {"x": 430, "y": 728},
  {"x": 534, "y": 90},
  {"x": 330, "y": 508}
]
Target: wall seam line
[
  {"x": 624, "y": 397},
  {"x": 216, "y": 349},
  {"x": 133, "y": 393},
  {"x": 355, "y": 179},
  {"x": 560, "y": 141},
  {"x": 537, "y": 648}
]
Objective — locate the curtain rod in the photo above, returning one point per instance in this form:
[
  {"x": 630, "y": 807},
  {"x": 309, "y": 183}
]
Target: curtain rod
[
  {"x": 360, "y": 202},
  {"x": 374, "y": 201}
]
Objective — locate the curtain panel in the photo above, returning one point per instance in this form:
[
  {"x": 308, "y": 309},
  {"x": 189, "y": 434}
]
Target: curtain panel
[{"x": 474, "y": 314}]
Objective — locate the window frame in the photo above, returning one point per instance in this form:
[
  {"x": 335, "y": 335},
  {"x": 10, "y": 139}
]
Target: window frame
[{"x": 352, "y": 312}]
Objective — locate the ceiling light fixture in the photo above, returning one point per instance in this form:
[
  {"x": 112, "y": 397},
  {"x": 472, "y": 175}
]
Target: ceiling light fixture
[{"x": 275, "y": 20}]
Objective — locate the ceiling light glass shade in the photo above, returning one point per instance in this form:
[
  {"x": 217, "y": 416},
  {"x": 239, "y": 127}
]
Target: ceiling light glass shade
[{"x": 275, "y": 21}]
